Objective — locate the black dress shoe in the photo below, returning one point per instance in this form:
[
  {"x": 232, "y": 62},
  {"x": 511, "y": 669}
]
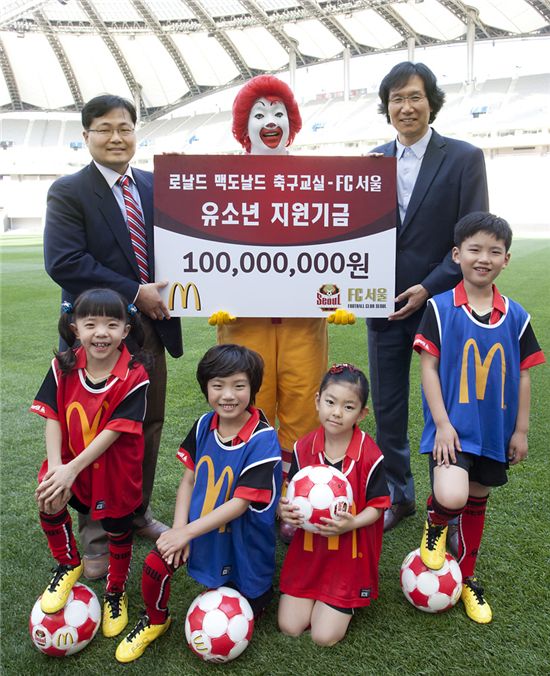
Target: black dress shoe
[{"x": 396, "y": 512}]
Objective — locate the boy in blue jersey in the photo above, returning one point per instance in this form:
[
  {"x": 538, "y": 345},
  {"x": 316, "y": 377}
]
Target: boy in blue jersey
[
  {"x": 226, "y": 502},
  {"x": 476, "y": 348}
]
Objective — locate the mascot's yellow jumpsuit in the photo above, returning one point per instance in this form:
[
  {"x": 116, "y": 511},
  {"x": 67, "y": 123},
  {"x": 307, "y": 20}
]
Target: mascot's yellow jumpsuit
[{"x": 295, "y": 352}]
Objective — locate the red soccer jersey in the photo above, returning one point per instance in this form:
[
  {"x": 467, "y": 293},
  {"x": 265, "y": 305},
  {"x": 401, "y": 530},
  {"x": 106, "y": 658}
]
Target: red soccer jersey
[
  {"x": 111, "y": 485},
  {"x": 340, "y": 570}
]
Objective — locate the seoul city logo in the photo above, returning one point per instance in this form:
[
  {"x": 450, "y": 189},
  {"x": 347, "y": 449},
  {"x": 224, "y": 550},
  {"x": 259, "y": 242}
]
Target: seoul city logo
[{"x": 328, "y": 297}]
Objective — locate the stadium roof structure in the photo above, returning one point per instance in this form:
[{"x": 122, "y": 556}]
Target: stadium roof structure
[{"x": 56, "y": 54}]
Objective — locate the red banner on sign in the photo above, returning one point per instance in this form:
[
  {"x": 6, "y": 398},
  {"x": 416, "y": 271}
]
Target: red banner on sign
[{"x": 274, "y": 201}]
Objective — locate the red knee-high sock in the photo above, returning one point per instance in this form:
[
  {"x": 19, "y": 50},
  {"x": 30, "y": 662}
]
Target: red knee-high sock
[
  {"x": 439, "y": 515},
  {"x": 58, "y": 528},
  {"x": 155, "y": 586},
  {"x": 470, "y": 532},
  {"x": 120, "y": 556}
]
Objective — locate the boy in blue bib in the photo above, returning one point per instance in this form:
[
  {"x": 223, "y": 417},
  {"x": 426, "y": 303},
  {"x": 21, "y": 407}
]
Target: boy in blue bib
[
  {"x": 476, "y": 348},
  {"x": 224, "y": 519}
]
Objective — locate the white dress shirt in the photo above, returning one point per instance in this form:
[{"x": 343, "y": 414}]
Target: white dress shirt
[{"x": 409, "y": 161}]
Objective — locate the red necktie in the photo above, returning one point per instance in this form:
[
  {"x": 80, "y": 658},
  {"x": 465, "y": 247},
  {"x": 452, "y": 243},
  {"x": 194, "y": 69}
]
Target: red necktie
[{"x": 136, "y": 227}]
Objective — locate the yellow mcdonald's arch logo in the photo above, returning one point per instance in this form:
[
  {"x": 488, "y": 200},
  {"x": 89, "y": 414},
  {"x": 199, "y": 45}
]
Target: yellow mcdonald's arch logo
[
  {"x": 213, "y": 486},
  {"x": 89, "y": 432},
  {"x": 200, "y": 643},
  {"x": 481, "y": 371},
  {"x": 333, "y": 541},
  {"x": 184, "y": 295},
  {"x": 64, "y": 639}
]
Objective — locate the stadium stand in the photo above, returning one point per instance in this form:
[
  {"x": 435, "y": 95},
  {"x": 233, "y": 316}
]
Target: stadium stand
[{"x": 505, "y": 116}]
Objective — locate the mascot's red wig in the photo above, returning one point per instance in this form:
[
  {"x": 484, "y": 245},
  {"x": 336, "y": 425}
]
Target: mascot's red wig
[{"x": 268, "y": 87}]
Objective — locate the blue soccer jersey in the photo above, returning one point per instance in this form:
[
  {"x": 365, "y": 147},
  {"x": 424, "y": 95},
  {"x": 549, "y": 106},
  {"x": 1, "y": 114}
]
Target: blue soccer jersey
[
  {"x": 242, "y": 551},
  {"x": 479, "y": 369}
]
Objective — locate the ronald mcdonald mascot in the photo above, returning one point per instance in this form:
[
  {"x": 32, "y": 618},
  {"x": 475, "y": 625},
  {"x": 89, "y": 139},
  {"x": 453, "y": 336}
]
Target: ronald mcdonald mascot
[{"x": 295, "y": 350}]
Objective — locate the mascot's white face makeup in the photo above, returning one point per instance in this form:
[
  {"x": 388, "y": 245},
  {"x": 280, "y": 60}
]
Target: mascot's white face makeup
[{"x": 268, "y": 127}]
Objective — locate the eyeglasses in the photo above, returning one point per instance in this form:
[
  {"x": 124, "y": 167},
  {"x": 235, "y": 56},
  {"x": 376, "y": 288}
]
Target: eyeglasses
[
  {"x": 107, "y": 133},
  {"x": 400, "y": 100}
]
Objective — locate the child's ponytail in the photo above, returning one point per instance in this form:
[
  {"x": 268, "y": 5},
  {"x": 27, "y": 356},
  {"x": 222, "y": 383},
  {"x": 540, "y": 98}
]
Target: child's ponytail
[
  {"x": 137, "y": 333},
  {"x": 66, "y": 358}
]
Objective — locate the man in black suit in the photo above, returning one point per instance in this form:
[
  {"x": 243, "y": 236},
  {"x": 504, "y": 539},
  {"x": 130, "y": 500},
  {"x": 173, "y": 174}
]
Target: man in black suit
[
  {"x": 87, "y": 244},
  {"x": 439, "y": 180}
]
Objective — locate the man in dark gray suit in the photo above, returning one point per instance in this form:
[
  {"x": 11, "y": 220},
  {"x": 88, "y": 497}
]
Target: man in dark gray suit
[
  {"x": 439, "y": 180},
  {"x": 87, "y": 244}
]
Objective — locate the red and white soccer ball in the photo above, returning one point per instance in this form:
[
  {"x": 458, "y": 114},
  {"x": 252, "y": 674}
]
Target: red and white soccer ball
[
  {"x": 432, "y": 591},
  {"x": 319, "y": 491},
  {"x": 219, "y": 625},
  {"x": 71, "y": 628}
]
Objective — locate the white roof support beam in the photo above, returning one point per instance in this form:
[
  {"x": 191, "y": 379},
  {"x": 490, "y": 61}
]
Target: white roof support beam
[
  {"x": 331, "y": 24},
  {"x": 168, "y": 44},
  {"x": 59, "y": 52},
  {"x": 102, "y": 30},
  {"x": 287, "y": 43},
  {"x": 9, "y": 77},
  {"x": 398, "y": 23},
  {"x": 221, "y": 37},
  {"x": 11, "y": 11}
]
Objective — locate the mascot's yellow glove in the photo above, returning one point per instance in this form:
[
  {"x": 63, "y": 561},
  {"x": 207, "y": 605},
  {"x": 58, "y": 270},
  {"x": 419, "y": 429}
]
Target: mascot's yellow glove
[
  {"x": 341, "y": 316},
  {"x": 221, "y": 317}
]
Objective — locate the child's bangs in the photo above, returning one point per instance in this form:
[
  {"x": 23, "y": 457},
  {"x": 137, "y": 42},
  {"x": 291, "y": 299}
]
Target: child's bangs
[{"x": 100, "y": 303}]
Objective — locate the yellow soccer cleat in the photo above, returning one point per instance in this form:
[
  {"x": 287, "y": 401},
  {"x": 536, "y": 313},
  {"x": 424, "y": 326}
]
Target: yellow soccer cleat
[
  {"x": 341, "y": 316},
  {"x": 144, "y": 633},
  {"x": 57, "y": 592},
  {"x": 474, "y": 601},
  {"x": 115, "y": 613},
  {"x": 220, "y": 318},
  {"x": 433, "y": 545}
]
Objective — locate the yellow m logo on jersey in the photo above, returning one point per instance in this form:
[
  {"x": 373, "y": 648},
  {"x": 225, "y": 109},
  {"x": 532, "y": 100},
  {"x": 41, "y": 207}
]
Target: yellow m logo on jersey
[
  {"x": 184, "y": 295},
  {"x": 89, "y": 432},
  {"x": 333, "y": 541},
  {"x": 214, "y": 487},
  {"x": 481, "y": 371}
]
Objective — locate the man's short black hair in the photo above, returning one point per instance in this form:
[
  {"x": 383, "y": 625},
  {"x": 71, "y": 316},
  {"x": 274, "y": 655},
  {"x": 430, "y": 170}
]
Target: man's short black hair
[
  {"x": 222, "y": 361},
  {"x": 101, "y": 105},
  {"x": 398, "y": 77},
  {"x": 483, "y": 221}
]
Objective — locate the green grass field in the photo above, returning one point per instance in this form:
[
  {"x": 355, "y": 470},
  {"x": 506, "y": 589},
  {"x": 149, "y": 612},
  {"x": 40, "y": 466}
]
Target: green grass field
[{"x": 390, "y": 637}]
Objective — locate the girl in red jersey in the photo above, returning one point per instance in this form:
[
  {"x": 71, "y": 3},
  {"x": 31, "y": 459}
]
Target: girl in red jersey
[
  {"x": 327, "y": 574},
  {"x": 93, "y": 399}
]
